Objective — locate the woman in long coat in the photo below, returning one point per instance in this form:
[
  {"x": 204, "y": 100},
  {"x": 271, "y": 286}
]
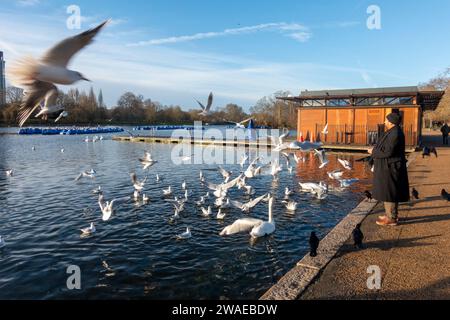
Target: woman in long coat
[{"x": 390, "y": 182}]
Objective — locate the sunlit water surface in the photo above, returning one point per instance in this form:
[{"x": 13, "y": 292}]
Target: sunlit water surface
[{"x": 136, "y": 253}]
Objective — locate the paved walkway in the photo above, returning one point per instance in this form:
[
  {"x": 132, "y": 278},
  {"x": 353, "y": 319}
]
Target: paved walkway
[{"x": 414, "y": 257}]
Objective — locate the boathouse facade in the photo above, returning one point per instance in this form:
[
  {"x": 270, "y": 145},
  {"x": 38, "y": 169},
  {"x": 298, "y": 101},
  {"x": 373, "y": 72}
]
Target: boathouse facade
[{"x": 356, "y": 116}]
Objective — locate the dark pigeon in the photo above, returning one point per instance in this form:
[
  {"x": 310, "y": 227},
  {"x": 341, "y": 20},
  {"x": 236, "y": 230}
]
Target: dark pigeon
[
  {"x": 445, "y": 195},
  {"x": 427, "y": 151},
  {"x": 415, "y": 193},
  {"x": 313, "y": 244},
  {"x": 358, "y": 236},
  {"x": 368, "y": 195}
]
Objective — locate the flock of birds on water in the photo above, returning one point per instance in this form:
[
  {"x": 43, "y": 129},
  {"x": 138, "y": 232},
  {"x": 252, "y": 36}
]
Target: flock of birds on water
[
  {"x": 39, "y": 78},
  {"x": 216, "y": 202}
]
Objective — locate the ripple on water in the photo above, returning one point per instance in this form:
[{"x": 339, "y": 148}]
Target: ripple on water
[{"x": 136, "y": 253}]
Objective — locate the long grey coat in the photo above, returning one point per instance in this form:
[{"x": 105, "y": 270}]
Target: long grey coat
[{"x": 390, "y": 181}]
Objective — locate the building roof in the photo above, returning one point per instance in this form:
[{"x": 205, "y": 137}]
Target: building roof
[
  {"x": 356, "y": 92},
  {"x": 427, "y": 99}
]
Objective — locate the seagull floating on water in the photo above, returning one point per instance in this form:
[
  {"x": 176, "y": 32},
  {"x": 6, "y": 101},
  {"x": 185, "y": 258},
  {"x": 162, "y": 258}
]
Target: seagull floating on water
[
  {"x": 89, "y": 230},
  {"x": 40, "y": 76},
  {"x": 9, "y": 173},
  {"x": 167, "y": 192},
  {"x": 185, "y": 235}
]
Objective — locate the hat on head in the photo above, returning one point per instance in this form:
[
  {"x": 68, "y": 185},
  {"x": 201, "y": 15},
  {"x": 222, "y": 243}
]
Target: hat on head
[{"x": 394, "y": 118}]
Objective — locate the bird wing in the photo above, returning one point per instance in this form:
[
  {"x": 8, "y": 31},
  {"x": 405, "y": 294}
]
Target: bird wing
[
  {"x": 119, "y": 200},
  {"x": 245, "y": 121},
  {"x": 254, "y": 202},
  {"x": 212, "y": 186},
  {"x": 63, "y": 51},
  {"x": 224, "y": 172},
  {"x": 231, "y": 184},
  {"x": 34, "y": 95},
  {"x": 133, "y": 178},
  {"x": 283, "y": 136},
  {"x": 210, "y": 101},
  {"x": 237, "y": 204},
  {"x": 201, "y": 105}
]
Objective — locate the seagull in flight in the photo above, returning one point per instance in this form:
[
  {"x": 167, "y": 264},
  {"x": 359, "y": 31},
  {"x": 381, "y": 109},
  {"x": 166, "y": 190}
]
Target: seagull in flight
[
  {"x": 240, "y": 125},
  {"x": 205, "y": 110},
  {"x": 147, "y": 161},
  {"x": 345, "y": 164},
  {"x": 39, "y": 76},
  {"x": 138, "y": 185},
  {"x": 322, "y": 157},
  {"x": 86, "y": 174},
  {"x": 50, "y": 106},
  {"x": 61, "y": 115},
  {"x": 107, "y": 206}
]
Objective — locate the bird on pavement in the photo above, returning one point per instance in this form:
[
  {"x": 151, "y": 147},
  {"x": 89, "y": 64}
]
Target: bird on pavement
[
  {"x": 445, "y": 195},
  {"x": 313, "y": 244},
  {"x": 358, "y": 236},
  {"x": 368, "y": 195}
]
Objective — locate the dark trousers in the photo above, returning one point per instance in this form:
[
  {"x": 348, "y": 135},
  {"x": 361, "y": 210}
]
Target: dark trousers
[{"x": 445, "y": 139}]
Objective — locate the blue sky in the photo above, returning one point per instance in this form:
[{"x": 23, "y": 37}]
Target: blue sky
[{"x": 175, "y": 51}]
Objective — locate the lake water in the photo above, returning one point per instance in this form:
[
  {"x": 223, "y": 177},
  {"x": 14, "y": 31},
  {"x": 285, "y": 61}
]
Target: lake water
[{"x": 136, "y": 254}]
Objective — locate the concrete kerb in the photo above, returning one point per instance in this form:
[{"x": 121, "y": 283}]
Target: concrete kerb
[{"x": 295, "y": 281}]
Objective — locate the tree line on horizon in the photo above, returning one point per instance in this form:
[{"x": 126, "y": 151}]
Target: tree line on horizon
[{"x": 88, "y": 108}]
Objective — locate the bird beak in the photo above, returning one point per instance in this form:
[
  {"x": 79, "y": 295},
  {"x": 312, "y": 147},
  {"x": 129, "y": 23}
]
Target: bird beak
[{"x": 85, "y": 79}]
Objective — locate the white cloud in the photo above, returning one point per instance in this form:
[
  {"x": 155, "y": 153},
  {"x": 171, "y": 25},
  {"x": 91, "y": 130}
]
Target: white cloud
[
  {"x": 28, "y": 3},
  {"x": 280, "y": 26},
  {"x": 300, "y": 36}
]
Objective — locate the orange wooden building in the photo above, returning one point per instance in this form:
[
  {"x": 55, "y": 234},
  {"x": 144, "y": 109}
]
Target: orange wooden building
[{"x": 356, "y": 116}]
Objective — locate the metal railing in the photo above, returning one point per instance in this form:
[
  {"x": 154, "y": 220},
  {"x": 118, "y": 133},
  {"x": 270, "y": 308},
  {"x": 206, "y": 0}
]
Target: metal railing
[{"x": 357, "y": 135}]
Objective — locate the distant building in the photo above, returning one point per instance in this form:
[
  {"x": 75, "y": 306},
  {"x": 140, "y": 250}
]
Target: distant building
[
  {"x": 2, "y": 80},
  {"x": 356, "y": 116}
]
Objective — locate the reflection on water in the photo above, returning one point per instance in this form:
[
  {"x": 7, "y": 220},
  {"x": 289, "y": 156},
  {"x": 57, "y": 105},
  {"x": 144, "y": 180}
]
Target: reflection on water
[{"x": 136, "y": 253}]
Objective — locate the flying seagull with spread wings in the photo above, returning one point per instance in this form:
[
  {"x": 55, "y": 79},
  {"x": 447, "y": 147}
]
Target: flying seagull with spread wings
[
  {"x": 205, "y": 110},
  {"x": 39, "y": 77}
]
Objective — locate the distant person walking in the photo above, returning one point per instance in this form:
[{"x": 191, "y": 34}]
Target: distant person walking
[
  {"x": 445, "y": 131},
  {"x": 390, "y": 181}
]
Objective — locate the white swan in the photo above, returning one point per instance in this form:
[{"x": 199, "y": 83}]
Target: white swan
[
  {"x": 267, "y": 227},
  {"x": 241, "y": 225},
  {"x": 89, "y": 230},
  {"x": 183, "y": 185},
  {"x": 145, "y": 198}
]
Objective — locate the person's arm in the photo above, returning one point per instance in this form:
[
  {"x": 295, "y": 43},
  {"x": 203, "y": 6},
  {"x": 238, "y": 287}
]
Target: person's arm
[{"x": 387, "y": 149}]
